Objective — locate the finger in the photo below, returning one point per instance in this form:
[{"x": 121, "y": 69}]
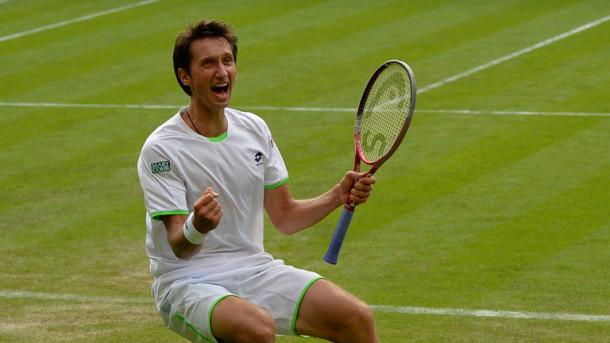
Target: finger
[
  {"x": 207, "y": 196},
  {"x": 215, "y": 209},
  {"x": 209, "y": 190},
  {"x": 209, "y": 216},
  {"x": 360, "y": 194},
  {"x": 213, "y": 216},
  {"x": 368, "y": 179},
  {"x": 365, "y": 187},
  {"x": 358, "y": 200},
  {"x": 217, "y": 215},
  {"x": 203, "y": 201},
  {"x": 209, "y": 207},
  {"x": 354, "y": 176},
  {"x": 364, "y": 178}
]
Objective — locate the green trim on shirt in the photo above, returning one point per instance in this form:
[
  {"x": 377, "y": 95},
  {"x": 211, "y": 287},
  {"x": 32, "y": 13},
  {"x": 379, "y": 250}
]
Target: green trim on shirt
[
  {"x": 217, "y": 139},
  {"x": 277, "y": 184},
  {"x": 158, "y": 215}
]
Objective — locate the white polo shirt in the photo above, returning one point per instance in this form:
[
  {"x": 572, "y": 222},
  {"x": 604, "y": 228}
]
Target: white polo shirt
[{"x": 175, "y": 167}]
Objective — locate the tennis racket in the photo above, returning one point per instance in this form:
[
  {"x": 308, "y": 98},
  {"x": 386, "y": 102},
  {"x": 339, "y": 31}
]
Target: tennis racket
[{"x": 383, "y": 117}]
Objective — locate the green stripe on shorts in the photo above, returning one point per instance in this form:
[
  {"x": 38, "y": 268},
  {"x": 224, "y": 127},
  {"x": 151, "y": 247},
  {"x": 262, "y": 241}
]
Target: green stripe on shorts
[
  {"x": 212, "y": 307},
  {"x": 192, "y": 327},
  {"x": 293, "y": 326}
]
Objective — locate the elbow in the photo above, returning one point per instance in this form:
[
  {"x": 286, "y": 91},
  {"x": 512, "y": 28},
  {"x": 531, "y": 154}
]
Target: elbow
[
  {"x": 184, "y": 254},
  {"x": 284, "y": 227},
  {"x": 181, "y": 254},
  {"x": 182, "y": 250},
  {"x": 287, "y": 231},
  {"x": 285, "y": 217}
]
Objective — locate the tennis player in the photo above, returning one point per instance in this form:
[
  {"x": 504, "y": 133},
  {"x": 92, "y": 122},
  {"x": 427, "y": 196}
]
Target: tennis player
[{"x": 207, "y": 174}]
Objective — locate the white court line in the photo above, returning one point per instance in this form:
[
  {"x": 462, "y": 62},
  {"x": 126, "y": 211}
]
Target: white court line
[
  {"x": 514, "y": 54},
  {"x": 491, "y": 313},
  {"x": 450, "y": 111},
  {"x": 76, "y": 20},
  {"x": 69, "y": 105},
  {"x": 352, "y": 110},
  {"x": 298, "y": 109},
  {"x": 519, "y": 113},
  {"x": 377, "y": 308}
]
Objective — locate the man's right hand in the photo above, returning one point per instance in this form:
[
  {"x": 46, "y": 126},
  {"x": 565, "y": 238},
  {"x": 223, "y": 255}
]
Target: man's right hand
[{"x": 207, "y": 212}]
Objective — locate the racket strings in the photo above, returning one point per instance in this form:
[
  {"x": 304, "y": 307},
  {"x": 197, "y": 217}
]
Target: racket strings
[{"x": 385, "y": 113}]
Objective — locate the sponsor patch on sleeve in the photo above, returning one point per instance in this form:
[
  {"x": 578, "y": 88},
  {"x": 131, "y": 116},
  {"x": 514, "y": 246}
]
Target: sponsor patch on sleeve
[{"x": 159, "y": 167}]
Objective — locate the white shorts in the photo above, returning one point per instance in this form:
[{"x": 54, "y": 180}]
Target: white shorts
[{"x": 273, "y": 286}]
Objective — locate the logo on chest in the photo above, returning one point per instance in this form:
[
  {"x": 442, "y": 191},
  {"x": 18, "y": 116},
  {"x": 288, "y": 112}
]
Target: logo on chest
[{"x": 259, "y": 158}]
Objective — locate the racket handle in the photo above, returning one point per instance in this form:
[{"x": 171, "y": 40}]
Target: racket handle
[{"x": 332, "y": 254}]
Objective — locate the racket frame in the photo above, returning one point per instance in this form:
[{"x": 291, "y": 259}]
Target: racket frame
[
  {"x": 332, "y": 254},
  {"x": 359, "y": 154}
]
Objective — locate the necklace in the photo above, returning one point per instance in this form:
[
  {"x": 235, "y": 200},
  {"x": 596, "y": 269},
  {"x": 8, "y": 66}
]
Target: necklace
[{"x": 191, "y": 120}]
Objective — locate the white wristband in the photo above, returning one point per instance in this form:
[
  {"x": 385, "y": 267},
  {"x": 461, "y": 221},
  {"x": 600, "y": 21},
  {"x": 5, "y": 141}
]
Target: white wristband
[{"x": 191, "y": 233}]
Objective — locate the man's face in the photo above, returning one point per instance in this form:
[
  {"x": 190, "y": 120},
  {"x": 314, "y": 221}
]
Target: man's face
[{"x": 212, "y": 73}]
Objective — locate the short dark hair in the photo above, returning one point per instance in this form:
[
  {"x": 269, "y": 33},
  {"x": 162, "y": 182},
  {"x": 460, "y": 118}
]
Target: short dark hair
[{"x": 203, "y": 29}]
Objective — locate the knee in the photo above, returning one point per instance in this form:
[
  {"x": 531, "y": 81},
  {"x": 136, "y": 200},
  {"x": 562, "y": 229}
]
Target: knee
[
  {"x": 360, "y": 323},
  {"x": 363, "y": 316},
  {"x": 263, "y": 333},
  {"x": 259, "y": 330},
  {"x": 236, "y": 320}
]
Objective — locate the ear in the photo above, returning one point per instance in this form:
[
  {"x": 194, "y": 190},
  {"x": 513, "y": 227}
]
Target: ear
[{"x": 184, "y": 77}]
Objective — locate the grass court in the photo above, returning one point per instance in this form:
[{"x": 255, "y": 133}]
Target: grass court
[{"x": 497, "y": 200}]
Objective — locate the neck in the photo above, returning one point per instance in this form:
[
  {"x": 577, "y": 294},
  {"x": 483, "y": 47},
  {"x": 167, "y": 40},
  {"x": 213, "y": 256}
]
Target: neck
[{"x": 205, "y": 122}]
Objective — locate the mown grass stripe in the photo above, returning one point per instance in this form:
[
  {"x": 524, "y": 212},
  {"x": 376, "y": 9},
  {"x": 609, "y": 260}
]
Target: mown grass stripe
[
  {"x": 515, "y": 54},
  {"x": 75, "y": 20},
  {"x": 12, "y": 294}
]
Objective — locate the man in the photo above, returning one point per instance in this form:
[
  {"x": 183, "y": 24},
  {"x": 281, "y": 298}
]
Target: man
[{"x": 207, "y": 173}]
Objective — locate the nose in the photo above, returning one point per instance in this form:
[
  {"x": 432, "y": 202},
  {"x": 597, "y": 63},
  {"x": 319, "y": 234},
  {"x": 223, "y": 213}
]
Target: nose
[{"x": 221, "y": 71}]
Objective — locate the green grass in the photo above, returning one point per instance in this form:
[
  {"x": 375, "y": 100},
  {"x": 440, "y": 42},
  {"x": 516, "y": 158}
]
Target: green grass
[{"x": 475, "y": 211}]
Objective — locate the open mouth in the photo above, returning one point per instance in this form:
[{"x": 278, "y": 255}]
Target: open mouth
[{"x": 221, "y": 88}]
